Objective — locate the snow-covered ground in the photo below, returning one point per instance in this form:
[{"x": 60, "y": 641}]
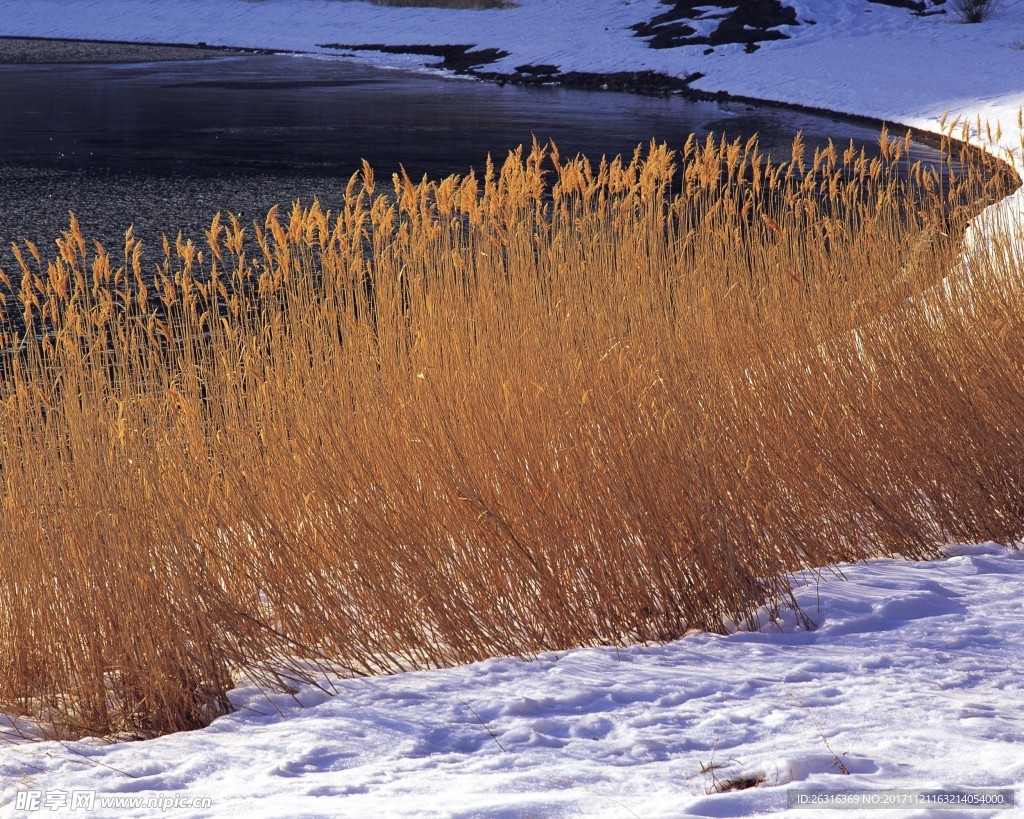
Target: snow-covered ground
[{"x": 912, "y": 678}]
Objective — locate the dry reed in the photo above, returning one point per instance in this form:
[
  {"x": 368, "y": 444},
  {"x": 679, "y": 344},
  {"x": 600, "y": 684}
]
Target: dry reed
[{"x": 556, "y": 404}]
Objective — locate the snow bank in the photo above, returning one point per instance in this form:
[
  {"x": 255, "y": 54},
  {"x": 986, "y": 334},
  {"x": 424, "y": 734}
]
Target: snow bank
[{"x": 910, "y": 680}]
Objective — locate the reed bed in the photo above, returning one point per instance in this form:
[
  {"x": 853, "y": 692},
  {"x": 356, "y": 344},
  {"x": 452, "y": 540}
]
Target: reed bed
[{"x": 559, "y": 403}]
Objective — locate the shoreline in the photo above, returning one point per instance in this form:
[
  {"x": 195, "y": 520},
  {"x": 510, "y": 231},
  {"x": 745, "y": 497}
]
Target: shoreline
[
  {"x": 62, "y": 51},
  {"x": 50, "y": 51}
]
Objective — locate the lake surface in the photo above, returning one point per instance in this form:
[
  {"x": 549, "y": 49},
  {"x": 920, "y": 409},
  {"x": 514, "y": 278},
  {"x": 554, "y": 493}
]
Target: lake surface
[{"x": 166, "y": 145}]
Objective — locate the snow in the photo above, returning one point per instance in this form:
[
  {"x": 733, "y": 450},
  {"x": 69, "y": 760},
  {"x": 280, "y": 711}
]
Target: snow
[
  {"x": 911, "y": 677},
  {"x": 910, "y": 680}
]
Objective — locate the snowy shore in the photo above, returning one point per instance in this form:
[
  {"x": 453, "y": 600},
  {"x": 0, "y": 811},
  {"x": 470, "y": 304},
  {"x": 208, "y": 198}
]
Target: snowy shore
[
  {"x": 851, "y": 56},
  {"x": 911, "y": 677},
  {"x": 873, "y": 59}
]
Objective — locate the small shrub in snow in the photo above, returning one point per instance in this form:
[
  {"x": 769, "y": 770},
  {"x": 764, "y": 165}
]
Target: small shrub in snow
[{"x": 974, "y": 11}]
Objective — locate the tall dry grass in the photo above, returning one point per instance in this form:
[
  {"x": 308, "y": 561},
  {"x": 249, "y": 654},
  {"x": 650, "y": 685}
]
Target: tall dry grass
[{"x": 560, "y": 403}]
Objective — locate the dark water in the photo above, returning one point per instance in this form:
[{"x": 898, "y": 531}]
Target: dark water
[{"x": 164, "y": 146}]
